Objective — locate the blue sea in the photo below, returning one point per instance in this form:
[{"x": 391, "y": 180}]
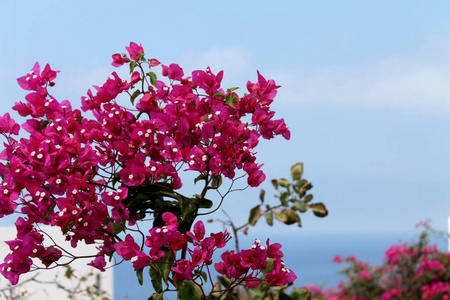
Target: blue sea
[{"x": 309, "y": 256}]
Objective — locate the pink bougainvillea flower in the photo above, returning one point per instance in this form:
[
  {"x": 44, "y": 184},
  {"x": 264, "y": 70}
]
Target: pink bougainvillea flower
[
  {"x": 266, "y": 90},
  {"x": 207, "y": 80},
  {"x": 99, "y": 263},
  {"x": 230, "y": 266},
  {"x": 183, "y": 270},
  {"x": 170, "y": 219},
  {"x": 280, "y": 276},
  {"x": 256, "y": 257},
  {"x": 365, "y": 274},
  {"x": 128, "y": 248},
  {"x": 14, "y": 266},
  {"x": 140, "y": 260},
  {"x": 23, "y": 109},
  {"x": 133, "y": 174},
  {"x": 119, "y": 59},
  {"x": 134, "y": 50},
  {"x": 252, "y": 282},
  {"x": 48, "y": 74},
  {"x": 36, "y": 81},
  {"x": 337, "y": 259},
  {"x": 198, "y": 256},
  {"x": 273, "y": 250},
  {"x": 173, "y": 71},
  {"x": 255, "y": 175},
  {"x": 8, "y": 125},
  {"x": 135, "y": 77},
  {"x": 29, "y": 81},
  {"x": 199, "y": 231},
  {"x": 168, "y": 236},
  {"x": 154, "y": 62},
  {"x": 221, "y": 238},
  {"x": 50, "y": 255}
]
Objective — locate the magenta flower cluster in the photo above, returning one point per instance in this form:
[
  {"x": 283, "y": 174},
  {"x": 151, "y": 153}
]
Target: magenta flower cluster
[
  {"x": 168, "y": 239},
  {"x": 254, "y": 260},
  {"x": 245, "y": 265},
  {"x": 75, "y": 172}
]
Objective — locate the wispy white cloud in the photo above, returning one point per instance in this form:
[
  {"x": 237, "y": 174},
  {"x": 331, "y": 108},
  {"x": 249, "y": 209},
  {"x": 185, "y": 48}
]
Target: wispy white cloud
[{"x": 417, "y": 82}]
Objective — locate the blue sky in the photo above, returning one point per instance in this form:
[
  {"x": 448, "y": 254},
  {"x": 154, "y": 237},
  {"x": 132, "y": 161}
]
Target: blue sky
[{"x": 364, "y": 87}]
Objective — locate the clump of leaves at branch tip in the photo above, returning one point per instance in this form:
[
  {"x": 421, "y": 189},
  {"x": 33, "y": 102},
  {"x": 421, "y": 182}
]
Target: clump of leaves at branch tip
[{"x": 294, "y": 199}]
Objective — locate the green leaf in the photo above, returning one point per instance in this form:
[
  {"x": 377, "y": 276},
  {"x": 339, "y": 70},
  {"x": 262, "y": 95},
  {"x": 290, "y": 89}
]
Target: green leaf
[
  {"x": 232, "y": 89},
  {"x": 188, "y": 208},
  {"x": 275, "y": 183},
  {"x": 302, "y": 186},
  {"x": 283, "y": 198},
  {"x": 153, "y": 78},
  {"x": 255, "y": 214},
  {"x": 199, "y": 177},
  {"x": 297, "y": 171},
  {"x": 133, "y": 65},
  {"x": 261, "y": 195},
  {"x": 49, "y": 211},
  {"x": 269, "y": 217},
  {"x": 155, "y": 276},
  {"x": 160, "y": 271},
  {"x": 284, "y": 182},
  {"x": 140, "y": 56},
  {"x": 157, "y": 296},
  {"x": 258, "y": 294},
  {"x": 216, "y": 181},
  {"x": 221, "y": 95},
  {"x": 139, "y": 115},
  {"x": 300, "y": 206},
  {"x": 69, "y": 272},
  {"x": 139, "y": 276},
  {"x": 187, "y": 289},
  {"x": 300, "y": 294},
  {"x": 284, "y": 296},
  {"x": 206, "y": 203},
  {"x": 44, "y": 124},
  {"x": 291, "y": 216},
  {"x": 165, "y": 266},
  {"x": 68, "y": 227},
  {"x": 118, "y": 227},
  {"x": 319, "y": 209},
  {"x": 308, "y": 198},
  {"x": 204, "y": 276},
  {"x": 231, "y": 99},
  {"x": 225, "y": 282},
  {"x": 287, "y": 216},
  {"x": 115, "y": 179},
  {"x": 134, "y": 96},
  {"x": 269, "y": 267},
  {"x": 281, "y": 216}
]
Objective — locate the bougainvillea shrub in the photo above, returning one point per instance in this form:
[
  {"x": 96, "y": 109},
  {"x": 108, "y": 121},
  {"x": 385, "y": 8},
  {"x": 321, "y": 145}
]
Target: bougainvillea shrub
[
  {"x": 98, "y": 171},
  {"x": 409, "y": 271}
]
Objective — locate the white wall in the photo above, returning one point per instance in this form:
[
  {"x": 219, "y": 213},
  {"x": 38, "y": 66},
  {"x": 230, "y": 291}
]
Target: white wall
[{"x": 50, "y": 291}]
